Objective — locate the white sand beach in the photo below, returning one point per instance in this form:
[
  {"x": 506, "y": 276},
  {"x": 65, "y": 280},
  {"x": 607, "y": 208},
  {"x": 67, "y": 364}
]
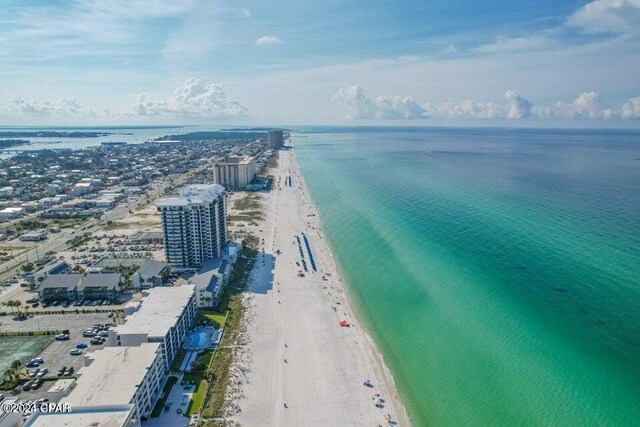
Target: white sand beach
[{"x": 296, "y": 352}]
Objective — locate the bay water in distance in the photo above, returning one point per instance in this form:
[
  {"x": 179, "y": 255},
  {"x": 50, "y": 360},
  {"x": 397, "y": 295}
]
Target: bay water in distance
[{"x": 497, "y": 269}]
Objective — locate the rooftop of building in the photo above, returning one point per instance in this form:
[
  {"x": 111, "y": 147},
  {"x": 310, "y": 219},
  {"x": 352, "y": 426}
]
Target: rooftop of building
[
  {"x": 113, "y": 376},
  {"x": 104, "y": 416},
  {"x": 194, "y": 194},
  {"x": 151, "y": 268},
  {"x": 159, "y": 311},
  {"x": 236, "y": 160}
]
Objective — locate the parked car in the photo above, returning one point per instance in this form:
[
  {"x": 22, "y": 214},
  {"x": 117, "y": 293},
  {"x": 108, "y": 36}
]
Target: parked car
[
  {"x": 110, "y": 314},
  {"x": 61, "y": 371},
  {"x": 62, "y": 337},
  {"x": 88, "y": 334},
  {"x": 27, "y": 386},
  {"x": 34, "y": 372},
  {"x": 75, "y": 352},
  {"x": 69, "y": 372},
  {"x": 42, "y": 372},
  {"x": 81, "y": 345},
  {"x": 37, "y": 383}
]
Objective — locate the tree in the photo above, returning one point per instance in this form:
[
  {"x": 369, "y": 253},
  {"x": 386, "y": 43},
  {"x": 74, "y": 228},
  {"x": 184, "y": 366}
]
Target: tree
[{"x": 28, "y": 267}]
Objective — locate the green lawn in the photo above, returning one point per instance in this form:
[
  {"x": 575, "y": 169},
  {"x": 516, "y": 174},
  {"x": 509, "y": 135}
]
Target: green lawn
[
  {"x": 212, "y": 315},
  {"x": 166, "y": 390},
  {"x": 197, "y": 397}
]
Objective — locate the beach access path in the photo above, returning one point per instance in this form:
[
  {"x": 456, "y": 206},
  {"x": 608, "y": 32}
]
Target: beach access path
[{"x": 299, "y": 355}]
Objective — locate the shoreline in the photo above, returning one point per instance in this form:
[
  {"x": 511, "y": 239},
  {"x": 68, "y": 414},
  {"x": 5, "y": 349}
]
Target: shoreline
[
  {"x": 403, "y": 415},
  {"x": 300, "y": 366}
]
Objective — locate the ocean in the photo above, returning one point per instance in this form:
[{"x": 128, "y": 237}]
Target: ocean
[{"x": 498, "y": 270}]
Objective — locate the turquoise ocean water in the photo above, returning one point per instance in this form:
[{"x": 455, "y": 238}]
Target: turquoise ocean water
[{"x": 497, "y": 269}]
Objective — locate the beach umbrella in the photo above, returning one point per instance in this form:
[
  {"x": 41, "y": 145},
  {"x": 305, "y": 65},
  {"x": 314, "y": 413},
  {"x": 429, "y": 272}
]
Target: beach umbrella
[{"x": 344, "y": 323}]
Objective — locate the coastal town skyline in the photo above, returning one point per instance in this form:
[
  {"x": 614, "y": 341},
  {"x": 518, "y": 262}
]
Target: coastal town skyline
[{"x": 519, "y": 64}]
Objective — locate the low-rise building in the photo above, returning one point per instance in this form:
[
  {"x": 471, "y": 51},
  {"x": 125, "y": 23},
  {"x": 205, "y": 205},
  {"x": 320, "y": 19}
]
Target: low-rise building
[
  {"x": 150, "y": 274},
  {"x": 58, "y": 287},
  {"x": 34, "y": 236},
  {"x": 212, "y": 278},
  {"x": 164, "y": 316},
  {"x": 10, "y": 213},
  {"x": 74, "y": 286}
]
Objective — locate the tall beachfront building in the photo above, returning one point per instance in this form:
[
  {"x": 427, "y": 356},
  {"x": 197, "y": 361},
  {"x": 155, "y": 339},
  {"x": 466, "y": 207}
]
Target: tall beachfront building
[
  {"x": 194, "y": 225},
  {"x": 276, "y": 138},
  {"x": 235, "y": 172}
]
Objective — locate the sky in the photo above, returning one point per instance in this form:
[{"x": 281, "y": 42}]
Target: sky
[{"x": 430, "y": 62}]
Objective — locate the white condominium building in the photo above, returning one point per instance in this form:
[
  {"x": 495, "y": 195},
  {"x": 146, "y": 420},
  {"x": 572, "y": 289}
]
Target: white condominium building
[
  {"x": 120, "y": 376},
  {"x": 235, "y": 172},
  {"x": 164, "y": 316},
  {"x": 194, "y": 225}
]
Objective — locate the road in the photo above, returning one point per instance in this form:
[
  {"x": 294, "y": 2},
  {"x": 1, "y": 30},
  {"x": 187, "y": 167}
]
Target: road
[{"x": 57, "y": 242}]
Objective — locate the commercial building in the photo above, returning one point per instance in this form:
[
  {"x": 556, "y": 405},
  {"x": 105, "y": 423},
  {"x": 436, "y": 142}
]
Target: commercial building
[
  {"x": 235, "y": 172},
  {"x": 276, "y": 138},
  {"x": 194, "y": 226},
  {"x": 163, "y": 316}
]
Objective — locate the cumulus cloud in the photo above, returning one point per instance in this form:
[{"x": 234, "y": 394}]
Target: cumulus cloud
[
  {"x": 587, "y": 105},
  {"x": 465, "y": 109},
  {"x": 518, "y": 107},
  {"x": 61, "y": 107},
  {"x": 268, "y": 41},
  {"x": 193, "y": 99},
  {"x": 631, "y": 109},
  {"x": 607, "y": 16},
  {"x": 381, "y": 107}
]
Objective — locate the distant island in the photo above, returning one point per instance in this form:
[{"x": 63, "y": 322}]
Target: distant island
[
  {"x": 52, "y": 134},
  {"x": 255, "y": 129},
  {"x": 206, "y": 135},
  {"x": 7, "y": 143}
]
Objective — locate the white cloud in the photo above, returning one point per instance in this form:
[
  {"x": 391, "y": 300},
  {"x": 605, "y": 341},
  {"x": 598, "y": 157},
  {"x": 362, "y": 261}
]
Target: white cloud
[
  {"x": 245, "y": 12},
  {"x": 193, "y": 99},
  {"x": 518, "y": 106},
  {"x": 268, "y": 41},
  {"x": 631, "y": 109},
  {"x": 381, "y": 107},
  {"x": 587, "y": 105},
  {"x": 62, "y": 107},
  {"x": 607, "y": 16},
  {"x": 514, "y": 44},
  {"x": 465, "y": 109}
]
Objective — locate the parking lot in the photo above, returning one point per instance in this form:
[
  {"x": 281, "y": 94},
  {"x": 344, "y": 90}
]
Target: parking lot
[{"x": 57, "y": 354}]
